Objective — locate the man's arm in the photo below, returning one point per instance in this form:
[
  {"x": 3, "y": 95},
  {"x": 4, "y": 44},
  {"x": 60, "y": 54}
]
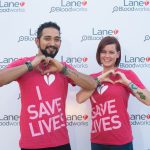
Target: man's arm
[
  {"x": 84, "y": 81},
  {"x": 8, "y": 75},
  {"x": 80, "y": 79}
]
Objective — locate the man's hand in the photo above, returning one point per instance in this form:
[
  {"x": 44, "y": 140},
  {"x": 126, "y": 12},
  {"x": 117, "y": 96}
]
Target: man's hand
[
  {"x": 37, "y": 60},
  {"x": 52, "y": 65}
]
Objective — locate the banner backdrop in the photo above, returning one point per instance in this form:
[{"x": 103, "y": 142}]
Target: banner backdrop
[{"x": 83, "y": 24}]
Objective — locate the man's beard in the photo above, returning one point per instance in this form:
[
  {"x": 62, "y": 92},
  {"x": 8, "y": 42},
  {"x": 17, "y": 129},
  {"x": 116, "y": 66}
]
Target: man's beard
[{"x": 52, "y": 54}]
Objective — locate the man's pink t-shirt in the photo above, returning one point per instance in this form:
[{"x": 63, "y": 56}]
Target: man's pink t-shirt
[
  {"x": 110, "y": 119},
  {"x": 43, "y": 98}
]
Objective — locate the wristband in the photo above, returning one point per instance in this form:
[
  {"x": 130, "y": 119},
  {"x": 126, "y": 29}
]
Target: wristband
[
  {"x": 97, "y": 81},
  {"x": 29, "y": 65},
  {"x": 64, "y": 70}
]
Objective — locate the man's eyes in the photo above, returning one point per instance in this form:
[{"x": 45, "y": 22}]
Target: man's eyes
[{"x": 49, "y": 39}]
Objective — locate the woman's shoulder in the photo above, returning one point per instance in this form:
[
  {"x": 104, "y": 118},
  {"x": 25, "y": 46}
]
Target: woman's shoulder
[
  {"x": 96, "y": 74},
  {"x": 127, "y": 72}
]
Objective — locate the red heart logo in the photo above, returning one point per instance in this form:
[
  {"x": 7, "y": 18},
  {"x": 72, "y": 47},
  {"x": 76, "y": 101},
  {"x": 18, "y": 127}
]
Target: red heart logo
[
  {"x": 85, "y": 117},
  {"x": 84, "y": 59},
  {"x": 84, "y": 3},
  {"x": 116, "y": 31},
  {"x": 22, "y": 4},
  {"x": 148, "y": 59},
  {"x": 146, "y": 3},
  {"x": 148, "y": 116}
]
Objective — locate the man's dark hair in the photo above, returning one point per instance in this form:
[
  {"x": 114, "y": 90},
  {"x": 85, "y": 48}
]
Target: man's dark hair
[{"x": 46, "y": 25}]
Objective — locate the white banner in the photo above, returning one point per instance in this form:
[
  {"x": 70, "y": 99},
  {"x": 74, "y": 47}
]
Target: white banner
[{"x": 83, "y": 24}]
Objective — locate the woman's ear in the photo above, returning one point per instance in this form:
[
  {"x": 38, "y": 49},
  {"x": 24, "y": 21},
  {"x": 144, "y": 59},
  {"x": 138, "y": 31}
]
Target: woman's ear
[{"x": 118, "y": 54}]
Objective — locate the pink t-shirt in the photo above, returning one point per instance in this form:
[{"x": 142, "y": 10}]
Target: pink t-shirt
[
  {"x": 110, "y": 119},
  {"x": 43, "y": 98}
]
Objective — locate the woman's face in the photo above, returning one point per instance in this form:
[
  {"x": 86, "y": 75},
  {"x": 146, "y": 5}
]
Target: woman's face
[{"x": 108, "y": 56}]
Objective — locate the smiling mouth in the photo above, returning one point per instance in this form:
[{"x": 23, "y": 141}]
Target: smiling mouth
[
  {"x": 50, "y": 50},
  {"x": 107, "y": 61}
]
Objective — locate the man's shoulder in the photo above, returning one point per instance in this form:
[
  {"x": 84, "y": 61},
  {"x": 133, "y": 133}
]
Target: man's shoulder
[
  {"x": 20, "y": 61},
  {"x": 26, "y": 58}
]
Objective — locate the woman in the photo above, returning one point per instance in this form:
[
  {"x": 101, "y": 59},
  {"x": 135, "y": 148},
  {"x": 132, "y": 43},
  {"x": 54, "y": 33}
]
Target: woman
[{"x": 111, "y": 129}]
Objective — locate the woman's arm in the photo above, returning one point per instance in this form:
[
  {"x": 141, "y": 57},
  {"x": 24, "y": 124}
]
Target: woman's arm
[
  {"x": 142, "y": 95},
  {"x": 83, "y": 95}
]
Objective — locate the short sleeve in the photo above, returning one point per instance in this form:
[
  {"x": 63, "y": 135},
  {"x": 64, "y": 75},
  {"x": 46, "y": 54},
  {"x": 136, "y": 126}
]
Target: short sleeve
[{"x": 135, "y": 79}]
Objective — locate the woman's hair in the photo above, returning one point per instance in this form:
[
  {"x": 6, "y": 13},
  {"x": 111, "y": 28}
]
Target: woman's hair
[{"x": 107, "y": 41}]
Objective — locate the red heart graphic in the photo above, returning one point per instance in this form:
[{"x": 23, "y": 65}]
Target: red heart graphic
[
  {"x": 84, "y": 3},
  {"x": 22, "y": 4},
  {"x": 148, "y": 59},
  {"x": 116, "y": 31},
  {"x": 148, "y": 116},
  {"x": 114, "y": 77},
  {"x": 85, "y": 117},
  {"x": 84, "y": 59},
  {"x": 146, "y": 3}
]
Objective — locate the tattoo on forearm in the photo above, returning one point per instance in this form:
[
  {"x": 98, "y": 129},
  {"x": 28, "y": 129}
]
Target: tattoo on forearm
[
  {"x": 142, "y": 96},
  {"x": 72, "y": 72},
  {"x": 134, "y": 88},
  {"x": 66, "y": 71}
]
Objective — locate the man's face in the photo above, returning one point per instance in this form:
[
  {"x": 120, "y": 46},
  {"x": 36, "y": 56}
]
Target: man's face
[{"x": 49, "y": 43}]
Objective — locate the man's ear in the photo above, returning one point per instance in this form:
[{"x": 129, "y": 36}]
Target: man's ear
[{"x": 37, "y": 42}]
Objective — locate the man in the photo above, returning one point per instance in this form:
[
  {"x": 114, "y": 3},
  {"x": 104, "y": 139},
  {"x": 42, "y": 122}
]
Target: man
[{"x": 43, "y": 84}]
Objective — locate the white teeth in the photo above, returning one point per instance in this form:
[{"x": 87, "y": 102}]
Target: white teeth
[
  {"x": 50, "y": 49},
  {"x": 107, "y": 60}
]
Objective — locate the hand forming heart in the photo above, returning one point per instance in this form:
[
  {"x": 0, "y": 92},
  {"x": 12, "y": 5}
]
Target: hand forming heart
[
  {"x": 49, "y": 65},
  {"x": 114, "y": 77},
  {"x": 122, "y": 78}
]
